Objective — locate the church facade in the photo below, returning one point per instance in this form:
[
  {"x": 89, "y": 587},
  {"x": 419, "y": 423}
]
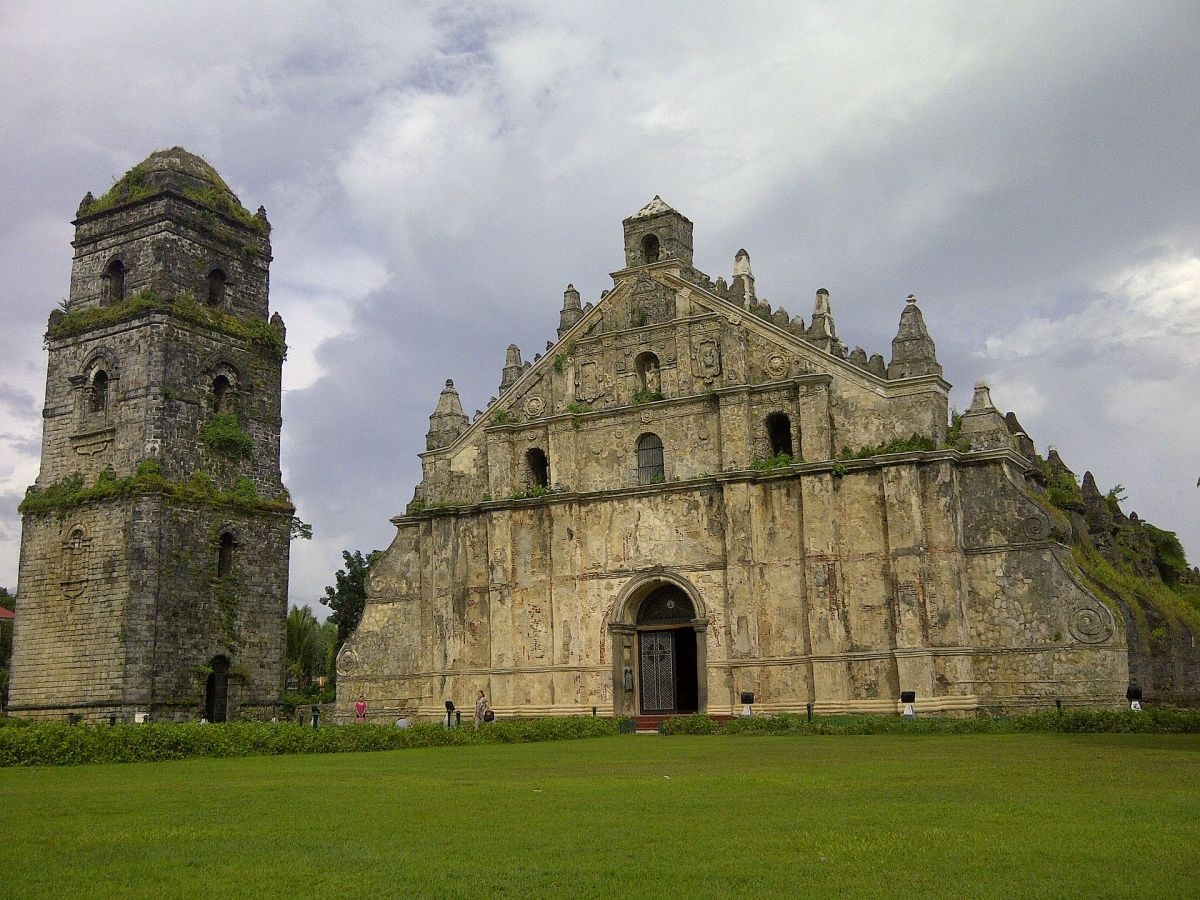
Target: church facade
[{"x": 692, "y": 495}]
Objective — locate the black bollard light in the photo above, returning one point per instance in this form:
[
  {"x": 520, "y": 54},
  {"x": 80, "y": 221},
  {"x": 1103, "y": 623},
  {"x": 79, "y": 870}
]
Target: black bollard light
[
  {"x": 112, "y": 720},
  {"x": 809, "y": 706},
  {"x": 593, "y": 712},
  {"x": 316, "y": 715},
  {"x": 1058, "y": 704},
  {"x": 449, "y": 713}
]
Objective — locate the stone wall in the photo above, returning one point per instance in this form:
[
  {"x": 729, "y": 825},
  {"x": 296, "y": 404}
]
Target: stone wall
[
  {"x": 160, "y": 394},
  {"x": 169, "y": 245},
  {"x": 127, "y": 599},
  {"x": 127, "y": 618},
  {"x": 812, "y": 587}
]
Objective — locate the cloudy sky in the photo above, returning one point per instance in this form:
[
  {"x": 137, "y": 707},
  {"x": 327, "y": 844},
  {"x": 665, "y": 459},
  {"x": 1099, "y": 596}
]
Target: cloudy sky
[{"x": 436, "y": 173}]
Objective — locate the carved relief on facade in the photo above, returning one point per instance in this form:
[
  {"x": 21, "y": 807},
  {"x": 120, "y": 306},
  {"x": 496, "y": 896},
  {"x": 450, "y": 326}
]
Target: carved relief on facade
[
  {"x": 74, "y": 562},
  {"x": 591, "y": 384},
  {"x": 707, "y": 355},
  {"x": 348, "y": 662},
  {"x": 1091, "y": 624},
  {"x": 777, "y": 365},
  {"x": 534, "y": 407}
]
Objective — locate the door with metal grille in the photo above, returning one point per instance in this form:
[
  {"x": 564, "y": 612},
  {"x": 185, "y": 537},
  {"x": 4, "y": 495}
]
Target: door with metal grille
[{"x": 657, "y": 652}]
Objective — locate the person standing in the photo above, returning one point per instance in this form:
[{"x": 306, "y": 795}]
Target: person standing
[
  {"x": 481, "y": 708},
  {"x": 360, "y": 709}
]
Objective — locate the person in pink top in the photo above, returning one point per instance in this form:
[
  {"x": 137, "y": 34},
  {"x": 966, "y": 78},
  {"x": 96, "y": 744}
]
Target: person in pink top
[{"x": 360, "y": 710}]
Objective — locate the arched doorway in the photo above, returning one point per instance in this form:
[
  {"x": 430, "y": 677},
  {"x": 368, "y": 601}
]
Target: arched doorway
[
  {"x": 658, "y": 627},
  {"x": 667, "y": 652},
  {"x": 216, "y": 692}
]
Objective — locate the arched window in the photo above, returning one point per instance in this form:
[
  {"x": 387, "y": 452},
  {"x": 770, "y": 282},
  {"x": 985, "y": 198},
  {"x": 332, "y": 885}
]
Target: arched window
[
  {"x": 650, "y": 248},
  {"x": 222, "y": 397},
  {"x": 537, "y": 467},
  {"x": 216, "y": 287},
  {"x": 649, "y": 378},
  {"x": 114, "y": 282},
  {"x": 98, "y": 401},
  {"x": 650, "y": 459},
  {"x": 665, "y": 605},
  {"x": 779, "y": 433},
  {"x": 225, "y": 555}
]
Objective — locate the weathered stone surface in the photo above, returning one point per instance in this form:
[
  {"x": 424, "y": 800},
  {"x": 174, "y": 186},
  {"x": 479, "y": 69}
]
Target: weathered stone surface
[
  {"x": 837, "y": 581},
  {"x": 129, "y": 602}
]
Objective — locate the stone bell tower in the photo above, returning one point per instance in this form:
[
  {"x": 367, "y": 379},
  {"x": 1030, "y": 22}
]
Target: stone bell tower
[{"x": 154, "y": 546}]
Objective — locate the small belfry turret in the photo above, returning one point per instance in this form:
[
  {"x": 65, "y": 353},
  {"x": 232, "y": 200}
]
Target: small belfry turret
[
  {"x": 655, "y": 233},
  {"x": 571, "y": 313},
  {"x": 822, "y": 331},
  {"x": 742, "y": 290},
  {"x": 912, "y": 347},
  {"x": 983, "y": 425},
  {"x": 448, "y": 420},
  {"x": 513, "y": 367}
]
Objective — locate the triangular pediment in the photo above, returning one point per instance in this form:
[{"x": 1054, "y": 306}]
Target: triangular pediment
[{"x": 654, "y": 310}]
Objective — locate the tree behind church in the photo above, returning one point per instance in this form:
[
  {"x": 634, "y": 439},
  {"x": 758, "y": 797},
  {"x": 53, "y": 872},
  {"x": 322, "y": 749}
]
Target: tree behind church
[{"x": 349, "y": 595}]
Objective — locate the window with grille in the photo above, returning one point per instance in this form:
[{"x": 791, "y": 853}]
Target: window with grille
[{"x": 650, "y": 459}]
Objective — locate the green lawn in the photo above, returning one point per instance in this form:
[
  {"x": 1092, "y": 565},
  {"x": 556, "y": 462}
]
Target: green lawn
[{"x": 957, "y": 815}]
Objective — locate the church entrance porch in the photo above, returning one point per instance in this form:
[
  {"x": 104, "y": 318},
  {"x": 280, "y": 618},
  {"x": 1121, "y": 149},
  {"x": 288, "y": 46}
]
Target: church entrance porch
[{"x": 659, "y": 659}]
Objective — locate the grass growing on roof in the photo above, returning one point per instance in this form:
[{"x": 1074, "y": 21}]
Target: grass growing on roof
[{"x": 889, "y": 815}]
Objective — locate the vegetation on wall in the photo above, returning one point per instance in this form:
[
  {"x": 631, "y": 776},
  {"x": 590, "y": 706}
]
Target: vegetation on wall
[
  {"x": 222, "y": 201},
  {"x": 504, "y": 417},
  {"x": 954, "y": 435},
  {"x": 135, "y": 186},
  {"x": 224, "y": 435},
  {"x": 129, "y": 188},
  {"x": 646, "y": 395},
  {"x": 255, "y": 331},
  {"x": 913, "y": 444},
  {"x": 532, "y": 492},
  {"x": 199, "y": 488},
  {"x": 778, "y": 461},
  {"x": 1120, "y": 557},
  {"x": 1180, "y": 603}
]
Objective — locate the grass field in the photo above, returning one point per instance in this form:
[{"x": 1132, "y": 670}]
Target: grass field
[{"x": 650, "y": 816}]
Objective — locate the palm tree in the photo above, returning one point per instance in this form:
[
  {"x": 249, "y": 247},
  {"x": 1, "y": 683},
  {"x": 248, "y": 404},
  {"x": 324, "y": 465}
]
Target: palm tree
[{"x": 308, "y": 644}]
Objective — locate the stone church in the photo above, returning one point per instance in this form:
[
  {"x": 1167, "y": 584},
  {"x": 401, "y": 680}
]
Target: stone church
[
  {"x": 154, "y": 549},
  {"x": 691, "y": 495}
]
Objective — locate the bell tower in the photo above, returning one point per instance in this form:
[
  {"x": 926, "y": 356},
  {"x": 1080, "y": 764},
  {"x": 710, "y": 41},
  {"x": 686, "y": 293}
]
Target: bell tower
[
  {"x": 656, "y": 233},
  {"x": 154, "y": 546}
]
